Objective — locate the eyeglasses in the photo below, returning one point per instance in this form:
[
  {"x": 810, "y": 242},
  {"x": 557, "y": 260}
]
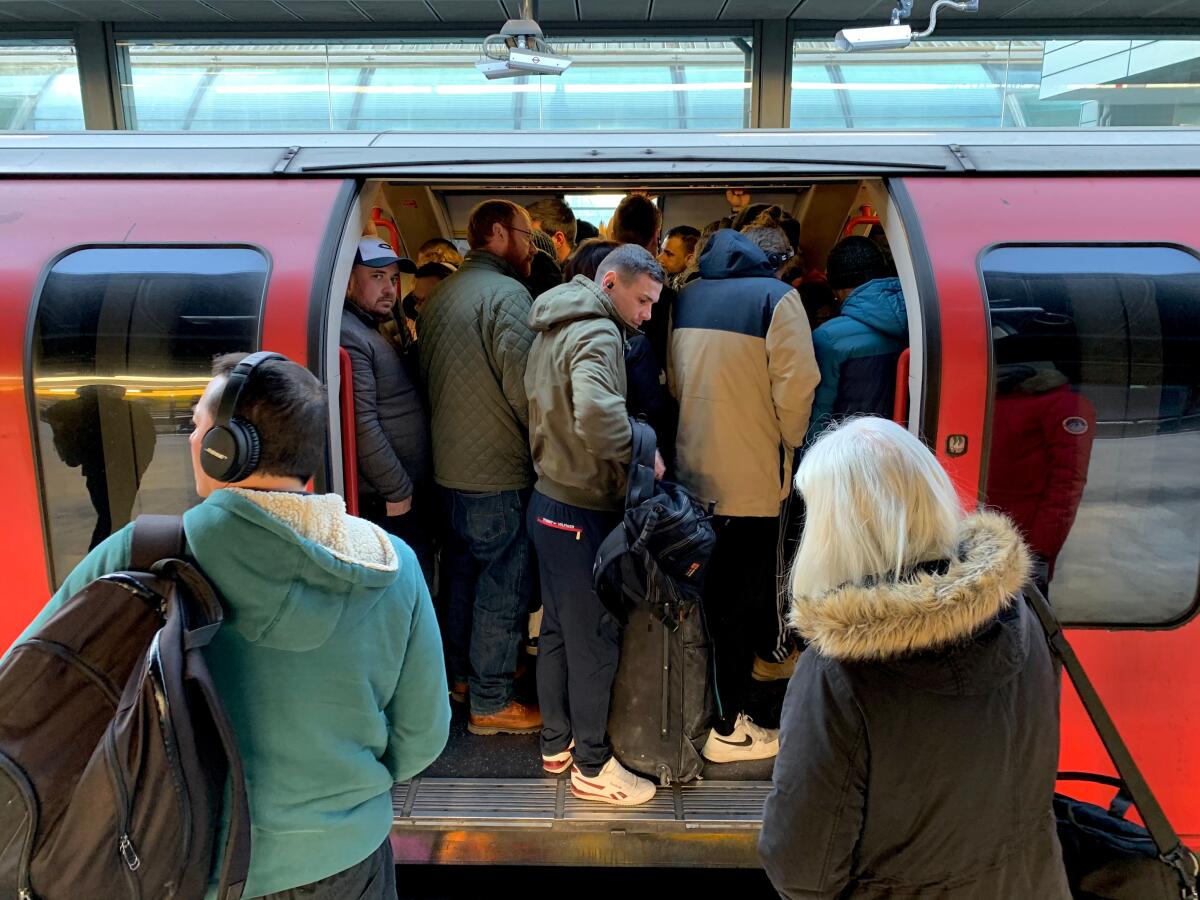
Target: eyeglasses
[{"x": 522, "y": 230}]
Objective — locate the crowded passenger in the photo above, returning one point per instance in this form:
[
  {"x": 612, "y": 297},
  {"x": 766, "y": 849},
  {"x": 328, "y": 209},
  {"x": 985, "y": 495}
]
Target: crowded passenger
[
  {"x": 329, "y": 663},
  {"x": 391, "y": 428},
  {"x": 555, "y": 218},
  {"x": 743, "y": 371},
  {"x": 544, "y": 270},
  {"x": 475, "y": 339},
  {"x": 581, "y": 440},
  {"x": 637, "y": 221},
  {"x": 764, "y": 232},
  {"x": 858, "y": 348},
  {"x": 437, "y": 259},
  {"x": 647, "y": 397},
  {"x": 678, "y": 250},
  {"x": 920, "y": 730}
]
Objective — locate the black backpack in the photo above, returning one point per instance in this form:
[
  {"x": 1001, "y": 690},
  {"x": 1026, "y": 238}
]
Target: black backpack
[
  {"x": 658, "y": 555},
  {"x": 114, "y": 747},
  {"x": 650, "y": 573}
]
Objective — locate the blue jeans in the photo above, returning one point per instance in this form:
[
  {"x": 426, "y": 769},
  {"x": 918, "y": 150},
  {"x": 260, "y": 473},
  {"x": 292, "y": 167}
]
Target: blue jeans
[{"x": 485, "y": 568}]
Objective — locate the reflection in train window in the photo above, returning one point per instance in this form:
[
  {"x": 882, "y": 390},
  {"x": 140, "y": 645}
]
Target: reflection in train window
[
  {"x": 1095, "y": 437},
  {"x": 123, "y": 342}
]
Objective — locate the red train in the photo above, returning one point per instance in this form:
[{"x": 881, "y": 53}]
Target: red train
[{"x": 1053, "y": 288}]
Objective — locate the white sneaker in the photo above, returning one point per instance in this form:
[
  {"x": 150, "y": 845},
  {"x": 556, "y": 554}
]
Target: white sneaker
[
  {"x": 748, "y": 741},
  {"x": 615, "y": 784}
]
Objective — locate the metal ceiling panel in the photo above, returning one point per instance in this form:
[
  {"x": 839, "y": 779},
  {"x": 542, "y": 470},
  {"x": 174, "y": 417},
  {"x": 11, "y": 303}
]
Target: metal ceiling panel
[
  {"x": 632, "y": 11},
  {"x": 758, "y": 9},
  {"x": 685, "y": 10},
  {"x": 469, "y": 10},
  {"x": 186, "y": 11},
  {"x": 325, "y": 10},
  {"x": 38, "y": 11},
  {"x": 548, "y": 10},
  {"x": 1074, "y": 9},
  {"x": 397, "y": 11},
  {"x": 253, "y": 10},
  {"x": 109, "y": 10},
  {"x": 844, "y": 10}
]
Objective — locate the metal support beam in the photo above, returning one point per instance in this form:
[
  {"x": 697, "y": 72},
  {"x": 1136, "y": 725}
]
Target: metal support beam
[
  {"x": 771, "y": 86},
  {"x": 96, "y": 52}
]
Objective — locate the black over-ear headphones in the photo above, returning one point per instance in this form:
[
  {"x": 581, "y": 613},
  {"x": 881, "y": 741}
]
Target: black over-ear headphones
[
  {"x": 231, "y": 448},
  {"x": 777, "y": 259}
]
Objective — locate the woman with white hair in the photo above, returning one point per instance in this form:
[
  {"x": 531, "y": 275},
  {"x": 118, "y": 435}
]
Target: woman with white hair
[{"x": 919, "y": 735}]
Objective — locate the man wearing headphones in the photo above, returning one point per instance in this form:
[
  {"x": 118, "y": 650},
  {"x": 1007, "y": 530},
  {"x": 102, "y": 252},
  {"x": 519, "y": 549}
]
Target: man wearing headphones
[{"x": 329, "y": 662}]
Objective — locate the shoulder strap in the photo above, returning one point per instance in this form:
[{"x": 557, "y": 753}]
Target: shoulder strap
[
  {"x": 155, "y": 538},
  {"x": 641, "y": 465},
  {"x": 1165, "y": 839}
]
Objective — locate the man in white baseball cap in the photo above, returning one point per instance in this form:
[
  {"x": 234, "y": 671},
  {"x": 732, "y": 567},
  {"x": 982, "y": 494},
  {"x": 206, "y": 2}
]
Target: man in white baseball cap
[{"x": 392, "y": 427}]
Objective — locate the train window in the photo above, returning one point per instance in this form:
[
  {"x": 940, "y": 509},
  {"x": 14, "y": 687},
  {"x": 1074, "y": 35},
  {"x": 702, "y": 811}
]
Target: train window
[
  {"x": 122, "y": 345},
  {"x": 1095, "y": 435}
]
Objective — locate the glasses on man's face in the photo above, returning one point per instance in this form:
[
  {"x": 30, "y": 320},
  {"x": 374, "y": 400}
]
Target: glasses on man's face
[{"x": 528, "y": 234}]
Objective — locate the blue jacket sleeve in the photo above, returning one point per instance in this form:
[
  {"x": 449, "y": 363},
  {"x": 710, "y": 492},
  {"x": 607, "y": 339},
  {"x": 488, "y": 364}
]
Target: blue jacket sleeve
[
  {"x": 110, "y": 555},
  {"x": 419, "y": 712},
  {"x": 829, "y": 361}
]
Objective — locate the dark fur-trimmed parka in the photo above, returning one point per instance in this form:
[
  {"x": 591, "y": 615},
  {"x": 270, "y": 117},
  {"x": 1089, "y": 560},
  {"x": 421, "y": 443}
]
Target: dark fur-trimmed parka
[{"x": 919, "y": 737}]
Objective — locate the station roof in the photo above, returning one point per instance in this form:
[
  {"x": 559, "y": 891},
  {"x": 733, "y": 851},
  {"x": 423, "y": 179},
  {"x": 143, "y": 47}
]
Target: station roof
[{"x": 998, "y": 16}]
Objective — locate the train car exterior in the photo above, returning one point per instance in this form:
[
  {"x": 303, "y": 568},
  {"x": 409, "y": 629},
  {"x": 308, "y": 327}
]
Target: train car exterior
[{"x": 1064, "y": 263}]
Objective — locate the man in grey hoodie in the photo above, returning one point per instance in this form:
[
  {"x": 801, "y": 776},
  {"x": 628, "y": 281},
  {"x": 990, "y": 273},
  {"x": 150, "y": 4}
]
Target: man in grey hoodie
[{"x": 581, "y": 440}]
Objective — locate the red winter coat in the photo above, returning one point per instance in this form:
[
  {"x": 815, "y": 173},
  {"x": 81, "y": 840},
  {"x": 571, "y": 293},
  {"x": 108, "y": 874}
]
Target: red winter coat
[{"x": 1042, "y": 436}]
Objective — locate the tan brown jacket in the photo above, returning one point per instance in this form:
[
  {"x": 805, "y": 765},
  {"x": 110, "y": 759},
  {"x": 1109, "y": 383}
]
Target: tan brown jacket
[{"x": 743, "y": 370}]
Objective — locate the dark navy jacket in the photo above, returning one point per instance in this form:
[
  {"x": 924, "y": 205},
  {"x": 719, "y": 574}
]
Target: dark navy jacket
[{"x": 857, "y": 351}]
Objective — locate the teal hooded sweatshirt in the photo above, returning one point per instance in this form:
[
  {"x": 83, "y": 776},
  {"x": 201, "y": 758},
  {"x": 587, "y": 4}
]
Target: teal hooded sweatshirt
[{"x": 329, "y": 664}]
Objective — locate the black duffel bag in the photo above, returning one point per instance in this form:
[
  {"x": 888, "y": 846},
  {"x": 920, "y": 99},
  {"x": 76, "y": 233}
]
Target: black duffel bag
[{"x": 1106, "y": 856}]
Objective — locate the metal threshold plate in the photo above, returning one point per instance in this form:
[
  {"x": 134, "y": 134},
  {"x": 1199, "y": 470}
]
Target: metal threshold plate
[{"x": 539, "y": 821}]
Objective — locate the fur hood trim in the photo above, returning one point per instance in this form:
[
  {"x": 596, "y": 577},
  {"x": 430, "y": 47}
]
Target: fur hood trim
[
  {"x": 322, "y": 519},
  {"x": 928, "y": 610}
]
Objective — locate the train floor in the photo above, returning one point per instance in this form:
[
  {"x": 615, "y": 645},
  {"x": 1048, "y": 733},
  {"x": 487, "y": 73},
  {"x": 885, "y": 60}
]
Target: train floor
[{"x": 516, "y": 755}]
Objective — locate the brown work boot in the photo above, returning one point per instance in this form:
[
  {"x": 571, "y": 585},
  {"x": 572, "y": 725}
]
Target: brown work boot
[
  {"x": 516, "y": 718},
  {"x": 765, "y": 670},
  {"x": 459, "y": 690}
]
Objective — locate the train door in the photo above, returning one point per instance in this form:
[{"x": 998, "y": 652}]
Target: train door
[
  {"x": 1065, "y": 362},
  {"x": 115, "y": 295}
]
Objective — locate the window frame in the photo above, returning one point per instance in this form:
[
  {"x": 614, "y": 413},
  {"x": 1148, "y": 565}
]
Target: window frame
[
  {"x": 989, "y": 405},
  {"x": 27, "y": 362}
]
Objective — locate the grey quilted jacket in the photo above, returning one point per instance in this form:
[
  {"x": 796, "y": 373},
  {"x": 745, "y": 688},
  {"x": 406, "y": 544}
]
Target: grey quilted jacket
[
  {"x": 391, "y": 429},
  {"x": 474, "y": 344}
]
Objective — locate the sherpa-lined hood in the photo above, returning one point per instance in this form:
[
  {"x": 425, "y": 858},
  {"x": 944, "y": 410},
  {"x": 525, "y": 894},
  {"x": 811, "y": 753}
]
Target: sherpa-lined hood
[
  {"x": 579, "y": 298},
  {"x": 730, "y": 254},
  {"x": 897, "y": 622},
  {"x": 879, "y": 304},
  {"x": 294, "y": 566}
]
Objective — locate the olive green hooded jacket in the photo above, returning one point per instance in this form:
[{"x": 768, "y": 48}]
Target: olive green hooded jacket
[{"x": 579, "y": 428}]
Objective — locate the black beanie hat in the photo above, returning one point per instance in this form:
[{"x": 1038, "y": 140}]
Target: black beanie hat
[{"x": 855, "y": 260}]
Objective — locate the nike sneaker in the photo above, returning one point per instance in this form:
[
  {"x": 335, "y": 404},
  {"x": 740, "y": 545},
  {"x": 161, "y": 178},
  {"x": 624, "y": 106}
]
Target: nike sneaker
[
  {"x": 613, "y": 784},
  {"x": 748, "y": 741}
]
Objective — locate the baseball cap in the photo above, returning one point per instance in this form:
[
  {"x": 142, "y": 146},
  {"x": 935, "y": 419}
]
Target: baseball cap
[
  {"x": 435, "y": 267},
  {"x": 376, "y": 253}
]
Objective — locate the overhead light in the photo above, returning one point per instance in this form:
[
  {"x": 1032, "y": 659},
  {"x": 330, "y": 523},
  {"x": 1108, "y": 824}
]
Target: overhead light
[
  {"x": 520, "y": 49},
  {"x": 896, "y": 36}
]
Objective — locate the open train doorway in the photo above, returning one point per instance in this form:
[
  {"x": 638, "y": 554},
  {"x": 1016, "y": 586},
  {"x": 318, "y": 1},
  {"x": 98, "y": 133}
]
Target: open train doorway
[{"x": 487, "y": 798}]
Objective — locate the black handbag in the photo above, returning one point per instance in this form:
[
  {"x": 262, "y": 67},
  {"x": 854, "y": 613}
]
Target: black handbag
[{"x": 1106, "y": 856}]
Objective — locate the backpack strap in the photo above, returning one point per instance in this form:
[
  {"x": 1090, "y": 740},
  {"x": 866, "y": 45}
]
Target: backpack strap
[
  {"x": 641, "y": 465},
  {"x": 155, "y": 538},
  {"x": 1171, "y": 850}
]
